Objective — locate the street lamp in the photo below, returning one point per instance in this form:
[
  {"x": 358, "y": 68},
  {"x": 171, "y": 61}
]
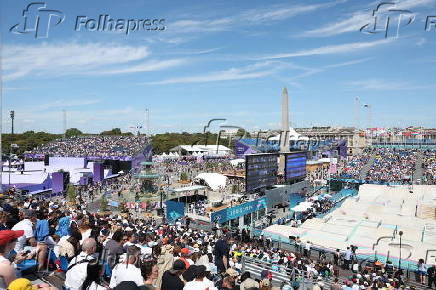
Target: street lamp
[{"x": 399, "y": 263}]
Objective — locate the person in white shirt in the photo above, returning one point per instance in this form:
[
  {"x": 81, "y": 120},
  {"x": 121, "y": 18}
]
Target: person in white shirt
[
  {"x": 27, "y": 225},
  {"x": 78, "y": 267},
  {"x": 127, "y": 271},
  {"x": 200, "y": 281},
  {"x": 131, "y": 241}
]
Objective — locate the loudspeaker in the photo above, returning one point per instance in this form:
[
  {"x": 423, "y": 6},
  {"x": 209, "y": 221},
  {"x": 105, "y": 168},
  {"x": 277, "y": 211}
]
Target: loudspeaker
[
  {"x": 66, "y": 177},
  {"x": 46, "y": 160}
]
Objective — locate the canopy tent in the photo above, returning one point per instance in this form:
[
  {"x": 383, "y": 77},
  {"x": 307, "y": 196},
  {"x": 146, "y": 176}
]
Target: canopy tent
[
  {"x": 236, "y": 162},
  {"x": 189, "y": 188},
  {"x": 213, "y": 180},
  {"x": 302, "y": 206}
]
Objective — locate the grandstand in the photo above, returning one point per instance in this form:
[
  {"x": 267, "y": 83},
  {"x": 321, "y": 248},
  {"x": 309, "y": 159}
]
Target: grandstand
[
  {"x": 372, "y": 220},
  {"x": 92, "y": 147}
]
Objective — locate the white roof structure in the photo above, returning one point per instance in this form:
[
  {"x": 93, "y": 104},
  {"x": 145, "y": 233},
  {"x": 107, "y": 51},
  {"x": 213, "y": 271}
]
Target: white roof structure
[
  {"x": 235, "y": 162},
  {"x": 189, "y": 188},
  {"x": 16, "y": 177},
  {"x": 213, "y": 180},
  {"x": 202, "y": 149},
  {"x": 302, "y": 206},
  {"x": 372, "y": 221}
]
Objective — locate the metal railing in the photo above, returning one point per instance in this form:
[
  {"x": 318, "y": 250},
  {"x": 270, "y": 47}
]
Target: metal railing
[{"x": 281, "y": 275}]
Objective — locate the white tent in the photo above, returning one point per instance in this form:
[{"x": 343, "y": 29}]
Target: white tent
[
  {"x": 236, "y": 162},
  {"x": 213, "y": 180},
  {"x": 293, "y": 135},
  {"x": 302, "y": 206}
]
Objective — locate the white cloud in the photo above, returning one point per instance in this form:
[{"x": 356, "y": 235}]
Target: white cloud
[
  {"x": 56, "y": 59},
  {"x": 384, "y": 85},
  {"x": 348, "y": 63},
  {"x": 330, "y": 49},
  {"x": 421, "y": 41},
  {"x": 144, "y": 67},
  {"x": 62, "y": 103},
  {"x": 352, "y": 23},
  {"x": 258, "y": 16},
  {"x": 254, "y": 71},
  {"x": 355, "y": 21}
]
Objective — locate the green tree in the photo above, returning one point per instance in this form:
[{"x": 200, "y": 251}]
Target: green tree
[
  {"x": 114, "y": 131},
  {"x": 183, "y": 176},
  {"x": 73, "y": 132},
  {"x": 71, "y": 193},
  {"x": 103, "y": 204}
]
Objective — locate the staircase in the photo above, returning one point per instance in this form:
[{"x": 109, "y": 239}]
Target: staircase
[
  {"x": 419, "y": 172},
  {"x": 367, "y": 167}
]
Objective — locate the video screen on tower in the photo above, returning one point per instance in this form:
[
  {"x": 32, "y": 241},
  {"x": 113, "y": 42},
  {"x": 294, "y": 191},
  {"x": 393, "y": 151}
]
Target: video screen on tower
[
  {"x": 260, "y": 171},
  {"x": 295, "y": 165}
]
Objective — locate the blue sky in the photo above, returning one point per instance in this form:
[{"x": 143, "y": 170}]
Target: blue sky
[{"x": 219, "y": 59}]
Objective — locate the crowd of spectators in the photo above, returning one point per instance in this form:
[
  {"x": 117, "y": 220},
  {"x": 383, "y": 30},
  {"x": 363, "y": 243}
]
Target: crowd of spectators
[
  {"x": 429, "y": 166},
  {"x": 393, "y": 165},
  {"x": 92, "y": 251},
  {"x": 98, "y": 146},
  {"x": 354, "y": 165}
]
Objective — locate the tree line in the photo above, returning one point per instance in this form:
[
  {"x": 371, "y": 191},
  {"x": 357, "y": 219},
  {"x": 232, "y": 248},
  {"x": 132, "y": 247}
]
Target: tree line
[{"x": 29, "y": 140}]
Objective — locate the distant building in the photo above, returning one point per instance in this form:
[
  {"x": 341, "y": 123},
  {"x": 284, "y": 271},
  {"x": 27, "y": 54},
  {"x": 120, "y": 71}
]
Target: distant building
[
  {"x": 355, "y": 139},
  {"x": 200, "y": 150}
]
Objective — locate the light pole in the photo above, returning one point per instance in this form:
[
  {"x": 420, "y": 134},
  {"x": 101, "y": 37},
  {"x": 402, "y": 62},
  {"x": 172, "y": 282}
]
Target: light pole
[
  {"x": 12, "y": 114},
  {"x": 399, "y": 262}
]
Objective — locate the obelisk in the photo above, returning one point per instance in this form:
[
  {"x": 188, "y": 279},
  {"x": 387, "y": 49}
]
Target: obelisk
[{"x": 284, "y": 140}]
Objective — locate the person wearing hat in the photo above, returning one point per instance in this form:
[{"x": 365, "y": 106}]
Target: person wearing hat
[
  {"x": 25, "y": 284},
  {"x": 171, "y": 279},
  {"x": 8, "y": 240},
  {"x": 164, "y": 262},
  {"x": 247, "y": 282},
  {"x": 185, "y": 253},
  {"x": 232, "y": 273}
]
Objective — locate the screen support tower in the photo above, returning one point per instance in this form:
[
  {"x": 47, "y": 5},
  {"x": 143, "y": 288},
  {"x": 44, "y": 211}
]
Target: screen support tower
[{"x": 284, "y": 138}]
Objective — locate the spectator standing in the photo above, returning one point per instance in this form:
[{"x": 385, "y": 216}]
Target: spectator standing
[
  {"x": 221, "y": 253},
  {"x": 171, "y": 279}
]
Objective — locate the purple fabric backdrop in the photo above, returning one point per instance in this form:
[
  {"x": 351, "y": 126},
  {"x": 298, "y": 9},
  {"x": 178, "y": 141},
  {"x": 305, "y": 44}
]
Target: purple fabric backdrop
[
  {"x": 91, "y": 158},
  {"x": 57, "y": 182},
  {"x": 98, "y": 172}
]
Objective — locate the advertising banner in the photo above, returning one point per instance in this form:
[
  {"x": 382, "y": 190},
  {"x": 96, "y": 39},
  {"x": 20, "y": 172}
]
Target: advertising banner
[
  {"x": 242, "y": 149},
  {"x": 175, "y": 210},
  {"x": 227, "y": 214}
]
